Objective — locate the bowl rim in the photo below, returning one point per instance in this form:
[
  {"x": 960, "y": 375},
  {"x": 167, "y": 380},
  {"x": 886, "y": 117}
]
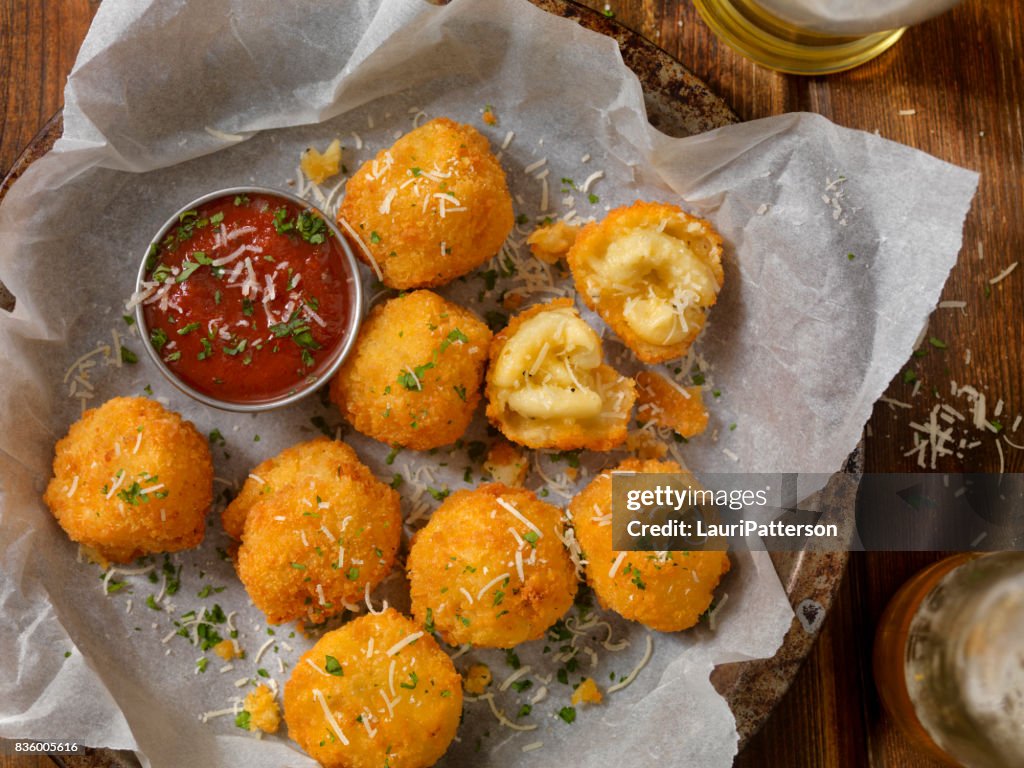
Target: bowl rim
[{"x": 303, "y": 389}]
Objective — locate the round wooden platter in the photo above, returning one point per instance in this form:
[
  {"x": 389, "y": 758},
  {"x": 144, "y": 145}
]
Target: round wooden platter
[{"x": 678, "y": 104}]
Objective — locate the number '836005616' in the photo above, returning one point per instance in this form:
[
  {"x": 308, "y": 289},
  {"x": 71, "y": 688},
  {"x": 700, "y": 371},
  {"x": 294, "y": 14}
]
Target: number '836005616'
[{"x": 43, "y": 747}]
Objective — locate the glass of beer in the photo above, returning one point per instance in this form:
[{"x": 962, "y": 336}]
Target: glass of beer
[{"x": 814, "y": 37}]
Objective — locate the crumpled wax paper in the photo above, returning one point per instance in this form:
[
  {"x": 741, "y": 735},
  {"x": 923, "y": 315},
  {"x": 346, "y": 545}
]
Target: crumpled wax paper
[{"x": 170, "y": 99}]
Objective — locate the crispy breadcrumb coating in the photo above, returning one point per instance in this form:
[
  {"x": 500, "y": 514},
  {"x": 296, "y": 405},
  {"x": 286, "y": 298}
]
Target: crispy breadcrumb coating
[
  {"x": 366, "y": 697},
  {"x": 490, "y": 568},
  {"x": 132, "y": 478},
  {"x": 318, "y": 531},
  {"x": 432, "y": 207},
  {"x": 668, "y": 405},
  {"x": 667, "y": 591},
  {"x": 413, "y": 378}
]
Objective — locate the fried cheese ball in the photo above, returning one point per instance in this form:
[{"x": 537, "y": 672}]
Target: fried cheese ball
[
  {"x": 378, "y": 691},
  {"x": 429, "y": 209},
  {"x": 666, "y": 593},
  {"x": 490, "y": 568},
  {"x": 413, "y": 377},
  {"x": 548, "y": 386},
  {"x": 652, "y": 272},
  {"x": 318, "y": 530},
  {"x": 131, "y": 478}
]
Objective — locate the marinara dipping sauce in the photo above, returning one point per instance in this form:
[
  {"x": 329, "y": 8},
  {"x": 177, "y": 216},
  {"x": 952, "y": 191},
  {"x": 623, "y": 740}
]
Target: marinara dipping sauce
[{"x": 249, "y": 299}]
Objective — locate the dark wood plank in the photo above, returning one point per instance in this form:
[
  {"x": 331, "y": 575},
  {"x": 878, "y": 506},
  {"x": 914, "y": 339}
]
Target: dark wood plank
[{"x": 39, "y": 43}]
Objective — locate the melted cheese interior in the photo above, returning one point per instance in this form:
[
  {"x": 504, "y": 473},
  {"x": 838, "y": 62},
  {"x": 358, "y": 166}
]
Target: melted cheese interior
[
  {"x": 548, "y": 367},
  {"x": 665, "y": 283}
]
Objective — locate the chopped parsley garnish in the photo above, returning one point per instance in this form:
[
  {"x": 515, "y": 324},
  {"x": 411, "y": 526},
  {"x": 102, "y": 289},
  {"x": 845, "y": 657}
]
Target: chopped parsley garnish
[
  {"x": 512, "y": 659},
  {"x": 594, "y": 199},
  {"x": 937, "y": 343},
  {"x": 396, "y": 481},
  {"x": 413, "y": 380},
  {"x": 353, "y": 574},
  {"x": 127, "y": 356},
  {"x": 241, "y": 199},
  {"x": 453, "y": 336},
  {"x": 262, "y": 672},
  {"x": 247, "y": 307},
  {"x": 242, "y": 718},
  {"x": 414, "y": 680},
  {"x": 460, "y": 391},
  {"x": 392, "y": 455},
  {"x": 568, "y": 714},
  {"x": 281, "y": 224},
  {"x": 531, "y": 537},
  {"x": 158, "y": 338},
  {"x": 429, "y": 623},
  {"x": 333, "y": 667},
  {"x": 572, "y": 458},
  {"x": 152, "y": 604},
  {"x": 207, "y": 349},
  {"x": 311, "y": 228},
  {"x": 521, "y": 685},
  {"x": 298, "y": 566},
  {"x": 238, "y": 348},
  {"x": 524, "y": 710},
  {"x": 374, "y": 237},
  {"x": 187, "y": 329},
  {"x": 438, "y": 494}
]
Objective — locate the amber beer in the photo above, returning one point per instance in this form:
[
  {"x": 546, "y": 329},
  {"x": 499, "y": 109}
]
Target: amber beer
[
  {"x": 947, "y": 660},
  {"x": 814, "y": 37}
]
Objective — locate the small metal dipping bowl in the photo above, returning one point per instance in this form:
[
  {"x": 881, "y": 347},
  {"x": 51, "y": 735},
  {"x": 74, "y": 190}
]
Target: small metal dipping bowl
[{"x": 338, "y": 354}]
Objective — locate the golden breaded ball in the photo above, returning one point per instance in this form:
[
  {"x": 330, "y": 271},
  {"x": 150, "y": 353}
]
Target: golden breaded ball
[
  {"x": 548, "y": 385},
  {"x": 321, "y": 532},
  {"x": 666, "y": 593},
  {"x": 413, "y": 377},
  {"x": 429, "y": 209},
  {"x": 320, "y": 459},
  {"x": 132, "y": 478},
  {"x": 377, "y": 692},
  {"x": 652, "y": 272},
  {"x": 490, "y": 568}
]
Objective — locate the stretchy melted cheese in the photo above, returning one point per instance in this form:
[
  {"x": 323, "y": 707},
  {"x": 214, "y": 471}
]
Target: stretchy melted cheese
[
  {"x": 651, "y": 271},
  {"x": 548, "y": 387}
]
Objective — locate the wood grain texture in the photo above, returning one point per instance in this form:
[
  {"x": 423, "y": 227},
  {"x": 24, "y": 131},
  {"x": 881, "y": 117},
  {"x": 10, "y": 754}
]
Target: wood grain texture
[{"x": 963, "y": 73}]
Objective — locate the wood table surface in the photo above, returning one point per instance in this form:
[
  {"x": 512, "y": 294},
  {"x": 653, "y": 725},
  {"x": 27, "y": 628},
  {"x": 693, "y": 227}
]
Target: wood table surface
[{"x": 963, "y": 75}]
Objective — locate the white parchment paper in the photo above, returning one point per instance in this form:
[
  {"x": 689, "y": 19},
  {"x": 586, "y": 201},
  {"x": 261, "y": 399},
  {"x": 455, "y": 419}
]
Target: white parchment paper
[{"x": 802, "y": 342}]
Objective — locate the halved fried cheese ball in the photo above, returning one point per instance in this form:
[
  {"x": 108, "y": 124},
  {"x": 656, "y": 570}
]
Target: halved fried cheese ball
[
  {"x": 131, "y": 478},
  {"x": 318, "y": 532},
  {"x": 413, "y": 378},
  {"x": 652, "y": 272},
  {"x": 432, "y": 207},
  {"x": 667, "y": 591},
  {"x": 491, "y": 568},
  {"x": 379, "y": 691},
  {"x": 548, "y": 385}
]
